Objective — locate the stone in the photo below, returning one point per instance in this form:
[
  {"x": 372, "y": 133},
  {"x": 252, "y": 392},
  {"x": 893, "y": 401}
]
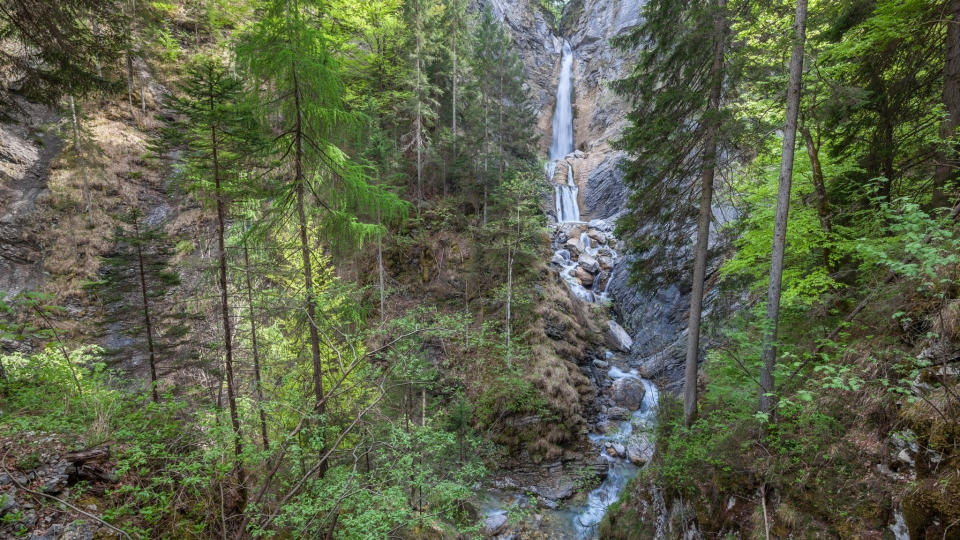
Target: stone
[
  {"x": 589, "y": 264},
  {"x": 558, "y": 260},
  {"x": 600, "y": 364},
  {"x": 627, "y": 392},
  {"x": 619, "y": 449},
  {"x": 597, "y": 235},
  {"x": 495, "y": 524},
  {"x": 635, "y": 456},
  {"x": 618, "y": 413},
  {"x": 8, "y": 502},
  {"x": 575, "y": 245},
  {"x": 606, "y": 427},
  {"x": 53, "y": 533},
  {"x": 599, "y": 224},
  {"x": 904, "y": 457},
  {"x": 617, "y": 338},
  {"x": 606, "y": 263},
  {"x": 611, "y": 451},
  {"x": 585, "y": 278}
]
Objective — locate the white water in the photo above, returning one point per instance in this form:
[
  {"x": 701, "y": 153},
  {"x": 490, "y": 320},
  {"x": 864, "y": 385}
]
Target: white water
[
  {"x": 899, "y": 525},
  {"x": 566, "y": 195}
]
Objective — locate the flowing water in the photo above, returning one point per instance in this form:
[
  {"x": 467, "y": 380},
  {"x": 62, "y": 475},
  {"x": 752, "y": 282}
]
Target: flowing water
[{"x": 568, "y": 210}]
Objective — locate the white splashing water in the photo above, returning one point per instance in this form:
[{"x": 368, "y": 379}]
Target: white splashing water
[
  {"x": 568, "y": 209},
  {"x": 899, "y": 525}
]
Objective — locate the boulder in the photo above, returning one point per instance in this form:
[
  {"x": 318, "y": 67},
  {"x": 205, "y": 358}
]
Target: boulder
[
  {"x": 599, "y": 224},
  {"x": 585, "y": 278},
  {"x": 616, "y": 337},
  {"x": 589, "y": 264},
  {"x": 575, "y": 245},
  {"x": 620, "y": 450},
  {"x": 558, "y": 260},
  {"x": 627, "y": 392},
  {"x": 606, "y": 263},
  {"x": 611, "y": 451},
  {"x": 600, "y": 364},
  {"x": 597, "y": 235},
  {"x": 618, "y": 413},
  {"x": 635, "y": 456},
  {"x": 606, "y": 427},
  {"x": 495, "y": 524},
  {"x": 8, "y": 502}
]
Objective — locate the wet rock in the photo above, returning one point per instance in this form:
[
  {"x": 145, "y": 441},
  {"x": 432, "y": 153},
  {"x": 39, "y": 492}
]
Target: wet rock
[
  {"x": 599, "y": 224},
  {"x": 606, "y": 427},
  {"x": 905, "y": 458},
  {"x": 589, "y": 264},
  {"x": 584, "y": 277},
  {"x": 606, "y": 263},
  {"x": 620, "y": 450},
  {"x": 618, "y": 414},
  {"x": 610, "y": 450},
  {"x": 557, "y": 260},
  {"x": 617, "y": 338},
  {"x": 600, "y": 364},
  {"x": 597, "y": 235},
  {"x": 494, "y": 524},
  {"x": 627, "y": 392},
  {"x": 575, "y": 246},
  {"x": 635, "y": 456}
]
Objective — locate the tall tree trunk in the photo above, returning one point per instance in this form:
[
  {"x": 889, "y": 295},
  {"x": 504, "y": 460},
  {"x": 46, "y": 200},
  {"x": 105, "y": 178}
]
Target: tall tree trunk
[
  {"x": 133, "y": 115},
  {"x": 225, "y": 316},
  {"x": 256, "y": 351},
  {"x": 453, "y": 156},
  {"x": 947, "y": 162},
  {"x": 509, "y": 301},
  {"x": 820, "y": 188},
  {"x": 300, "y": 180},
  {"x": 703, "y": 221},
  {"x": 383, "y": 311},
  {"x": 143, "y": 93},
  {"x": 768, "y": 400},
  {"x": 147, "y": 324}
]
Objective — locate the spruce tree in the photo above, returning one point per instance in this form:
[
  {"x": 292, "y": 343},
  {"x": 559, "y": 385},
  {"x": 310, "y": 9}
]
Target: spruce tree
[{"x": 295, "y": 83}]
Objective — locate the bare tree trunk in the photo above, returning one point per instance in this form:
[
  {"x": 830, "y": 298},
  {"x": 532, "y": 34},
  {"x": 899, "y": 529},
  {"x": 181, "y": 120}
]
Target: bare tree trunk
[
  {"x": 256, "y": 351},
  {"x": 946, "y": 158},
  {"x": 130, "y": 85},
  {"x": 143, "y": 93},
  {"x": 383, "y": 311},
  {"x": 768, "y": 401},
  {"x": 509, "y": 302},
  {"x": 453, "y": 157},
  {"x": 703, "y": 222},
  {"x": 148, "y": 326},
  {"x": 820, "y": 188},
  {"x": 225, "y": 315}
]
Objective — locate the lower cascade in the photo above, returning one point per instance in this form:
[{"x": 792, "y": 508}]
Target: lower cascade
[{"x": 585, "y": 254}]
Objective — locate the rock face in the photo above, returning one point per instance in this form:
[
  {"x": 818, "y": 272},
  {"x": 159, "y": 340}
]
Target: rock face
[
  {"x": 627, "y": 393},
  {"x": 495, "y": 524}
]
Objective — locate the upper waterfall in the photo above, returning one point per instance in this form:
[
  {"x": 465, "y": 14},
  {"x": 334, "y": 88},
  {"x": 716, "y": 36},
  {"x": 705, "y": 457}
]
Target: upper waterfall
[{"x": 563, "y": 114}]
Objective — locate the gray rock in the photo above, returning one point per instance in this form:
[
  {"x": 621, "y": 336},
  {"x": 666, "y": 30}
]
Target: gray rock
[
  {"x": 575, "y": 246},
  {"x": 557, "y": 260},
  {"x": 618, "y": 414},
  {"x": 585, "y": 278},
  {"x": 619, "y": 449},
  {"x": 599, "y": 224},
  {"x": 600, "y": 364},
  {"x": 53, "y": 533},
  {"x": 8, "y": 502},
  {"x": 905, "y": 458},
  {"x": 611, "y": 451},
  {"x": 606, "y": 263},
  {"x": 635, "y": 456},
  {"x": 597, "y": 235},
  {"x": 627, "y": 392},
  {"x": 495, "y": 524},
  {"x": 617, "y": 338},
  {"x": 589, "y": 264}
]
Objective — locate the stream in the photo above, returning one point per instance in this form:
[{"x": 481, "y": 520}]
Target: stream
[{"x": 584, "y": 254}]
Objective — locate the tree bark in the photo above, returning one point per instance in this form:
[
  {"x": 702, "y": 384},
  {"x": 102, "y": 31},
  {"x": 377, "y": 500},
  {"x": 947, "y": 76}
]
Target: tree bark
[
  {"x": 83, "y": 166},
  {"x": 147, "y": 324},
  {"x": 225, "y": 316},
  {"x": 300, "y": 180},
  {"x": 768, "y": 401},
  {"x": 820, "y": 188},
  {"x": 703, "y": 221},
  {"x": 256, "y": 351},
  {"x": 947, "y": 163}
]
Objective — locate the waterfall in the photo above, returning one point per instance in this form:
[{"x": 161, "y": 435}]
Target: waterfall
[{"x": 566, "y": 195}]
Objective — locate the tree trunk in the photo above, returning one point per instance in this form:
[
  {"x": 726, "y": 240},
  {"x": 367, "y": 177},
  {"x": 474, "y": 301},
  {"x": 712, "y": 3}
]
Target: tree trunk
[
  {"x": 256, "y": 351},
  {"x": 947, "y": 162},
  {"x": 453, "y": 157},
  {"x": 383, "y": 311},
  {"x": 143, "y": 93},
  {"x": 83, "y": 166},
  {"x": 509, "y": 301},
  {"x": 130, "y": 86},
  {"x": 225, "y": 316},
  {"x": 768, "y": 401},
  {"x": 300, "y": 179},
  {"x": 146, "y": 316},
  {"x": 703, "y": 221},
  {"x": 820, "y": 188}
]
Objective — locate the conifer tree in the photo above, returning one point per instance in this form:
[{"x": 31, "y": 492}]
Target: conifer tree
[
  {"x": 136, "y": 281},
  {"x": 422, "y": 104},
  {"x": 678, "y": 83},
  {"x": 218, "y": 133},
  {"x": 296, "y": 85}
]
